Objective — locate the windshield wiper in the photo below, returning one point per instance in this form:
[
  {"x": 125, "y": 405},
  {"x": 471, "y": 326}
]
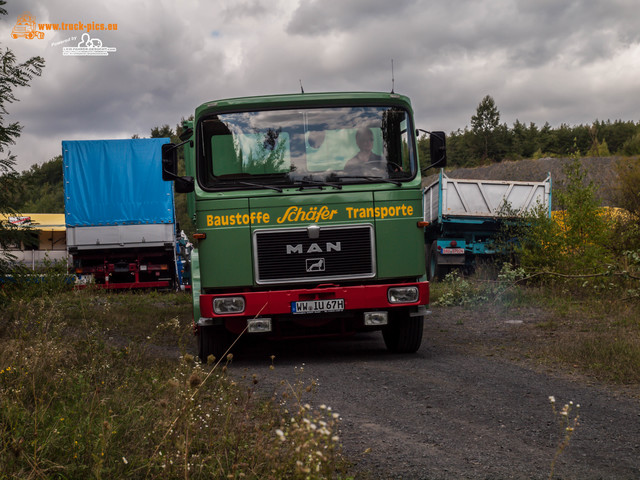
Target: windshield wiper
[
  {"x": 257, "y": 185},
  {"x": 373, "y": 179},
  {"x": 316, "y": 184}
]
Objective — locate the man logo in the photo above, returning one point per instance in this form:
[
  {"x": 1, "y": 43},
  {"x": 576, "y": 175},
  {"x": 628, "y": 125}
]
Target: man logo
[
  {"x": 314, "y": 248},
  {"x": 315, "y": 265}
]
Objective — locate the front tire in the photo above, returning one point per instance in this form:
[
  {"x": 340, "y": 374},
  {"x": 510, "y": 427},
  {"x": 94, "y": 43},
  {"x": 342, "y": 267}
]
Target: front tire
[
  {"x": 403, "y": 334},
  {"x": 212, "y": 340}
]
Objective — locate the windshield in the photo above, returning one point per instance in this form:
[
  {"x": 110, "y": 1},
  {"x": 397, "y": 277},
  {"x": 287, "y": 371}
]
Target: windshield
[{"x": 305, "y": 147}]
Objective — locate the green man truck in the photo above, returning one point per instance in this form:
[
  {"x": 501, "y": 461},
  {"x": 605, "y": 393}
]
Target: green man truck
[{"x": 308, "y": 215}]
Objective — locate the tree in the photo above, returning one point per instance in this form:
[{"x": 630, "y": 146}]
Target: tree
[
  {"x": 12, "y": 75},
  {"x": 484, "y": 125},
  {"x": 628, "y": 197},
  {"x": 164, "y": 131},
  {"x": 41, "y": 188}
]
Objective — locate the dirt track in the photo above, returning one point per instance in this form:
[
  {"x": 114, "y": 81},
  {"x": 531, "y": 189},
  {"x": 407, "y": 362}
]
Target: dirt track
[{"x": 467, "y": 405}]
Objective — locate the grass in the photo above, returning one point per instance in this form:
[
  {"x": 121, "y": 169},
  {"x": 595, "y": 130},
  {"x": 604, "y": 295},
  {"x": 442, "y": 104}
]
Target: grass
[
  {"x": 89, "y": 389},
  {"x": 592, "y": 330}
]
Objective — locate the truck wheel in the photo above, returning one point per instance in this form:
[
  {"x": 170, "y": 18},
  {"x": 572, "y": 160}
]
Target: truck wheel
[
  {"x": 435, "y": 271},
  {"x": 212, "y": 341},
  {"x": 403, "y": 334}
]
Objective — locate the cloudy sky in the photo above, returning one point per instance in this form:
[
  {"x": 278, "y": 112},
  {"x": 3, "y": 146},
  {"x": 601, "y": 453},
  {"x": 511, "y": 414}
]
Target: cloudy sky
[{"x": 556, "y": 61}]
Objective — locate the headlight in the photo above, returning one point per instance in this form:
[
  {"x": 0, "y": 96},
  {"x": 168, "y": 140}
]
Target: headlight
[
  {"x": 226, "y": 305},
  {"x": 403, "y": 294}
]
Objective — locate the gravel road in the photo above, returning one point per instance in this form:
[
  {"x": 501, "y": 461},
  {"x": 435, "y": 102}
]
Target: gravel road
[{"x": 466, "y": 406}]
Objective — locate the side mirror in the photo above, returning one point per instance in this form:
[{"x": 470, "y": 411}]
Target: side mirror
[
  {"x": 169, "y": 162},
  {"x": 438, "y": 149},
  {"x": 186, "y": 134},
  {"x": 170, "y": 169}
]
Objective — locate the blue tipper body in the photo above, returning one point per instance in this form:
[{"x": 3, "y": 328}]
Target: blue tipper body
[{"x": 115, "y": 182}]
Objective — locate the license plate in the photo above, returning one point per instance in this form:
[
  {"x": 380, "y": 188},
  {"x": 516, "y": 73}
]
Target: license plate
[
  {"x": 318, "y": 306},
  {"x": 452, "y": 251}
]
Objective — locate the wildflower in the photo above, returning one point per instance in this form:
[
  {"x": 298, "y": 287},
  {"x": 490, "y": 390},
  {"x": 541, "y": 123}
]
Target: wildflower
[
  {"x": 335, "y": 438},
  {"x": 552, "y": 399},
  {"x": 124, "y": 460},
  {"x": 280, "y": 434},
  {"x": 195, "y": 380}
]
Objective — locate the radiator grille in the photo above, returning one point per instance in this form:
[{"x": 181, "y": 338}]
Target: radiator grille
[{"x": 334, "y": 253}]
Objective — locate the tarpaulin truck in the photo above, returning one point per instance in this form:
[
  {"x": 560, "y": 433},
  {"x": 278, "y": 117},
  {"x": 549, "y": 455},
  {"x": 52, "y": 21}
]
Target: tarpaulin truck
[
  {"x": 307, "y": 211},
  {"x": 463, "y": 216},
  {"x": 120, "y": 218}
]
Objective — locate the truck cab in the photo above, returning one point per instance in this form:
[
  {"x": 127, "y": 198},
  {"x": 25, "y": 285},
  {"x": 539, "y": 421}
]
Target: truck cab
[{"x": 308, "y": 216}]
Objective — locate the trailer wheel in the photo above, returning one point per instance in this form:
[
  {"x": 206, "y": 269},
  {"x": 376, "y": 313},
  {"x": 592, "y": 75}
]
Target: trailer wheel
[
  {"x": 212, "y": 340},
  {"x": 435, "y": 271},
  {"x": 403, "y": 334}
]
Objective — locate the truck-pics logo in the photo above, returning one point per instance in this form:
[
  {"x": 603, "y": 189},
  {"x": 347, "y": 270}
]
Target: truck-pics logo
[
  {"x": 26, "y": 27},
  {"x": 88, "y": 47}
]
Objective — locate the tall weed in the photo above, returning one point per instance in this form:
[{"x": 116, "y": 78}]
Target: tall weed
[{"x": 87, "y": 390}]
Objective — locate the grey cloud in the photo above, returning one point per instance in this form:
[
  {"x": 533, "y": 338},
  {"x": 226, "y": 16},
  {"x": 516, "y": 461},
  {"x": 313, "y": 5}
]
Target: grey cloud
[
  {"x": 319, "y": 17},
  {"x": 543, "y": 60}
]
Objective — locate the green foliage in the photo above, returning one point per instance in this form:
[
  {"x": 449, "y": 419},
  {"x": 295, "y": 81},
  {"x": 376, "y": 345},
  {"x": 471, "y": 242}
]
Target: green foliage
[
  {"x": 631, "y": 146},
  {"x": 457, "y": 290},
  {"x": 488, "y": 140},
  {"x": 485, "y": 126},
  {"x": 51, "y": 278},
  {"x": 14, "y": 75},
  {"x": 164, "y": 131},
  {"x": 628, "y": 197},
  {"x": 84, "y": 394},
  {"x": 40, "y": 189},
  {"x": 577, "y": 240}
]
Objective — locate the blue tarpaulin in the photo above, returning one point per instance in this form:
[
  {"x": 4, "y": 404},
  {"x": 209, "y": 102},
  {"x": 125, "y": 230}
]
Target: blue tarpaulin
[{"x": 115, "y": 182}]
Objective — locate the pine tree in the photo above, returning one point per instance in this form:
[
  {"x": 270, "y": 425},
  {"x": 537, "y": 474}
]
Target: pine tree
[{"x": 484, "y": 125}]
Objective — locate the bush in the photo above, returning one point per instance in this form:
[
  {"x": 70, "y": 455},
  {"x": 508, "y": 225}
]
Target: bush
[
  {"x": 631, "y": 146},
  {"x": 577, "y": 239},
  {"x": 457, "y": 290}
]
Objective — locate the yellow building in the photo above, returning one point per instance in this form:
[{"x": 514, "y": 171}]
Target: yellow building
[{"x": 46, "y": 239}]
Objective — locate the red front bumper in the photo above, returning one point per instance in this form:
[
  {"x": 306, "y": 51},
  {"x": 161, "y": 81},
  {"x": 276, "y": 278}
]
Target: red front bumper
[{"x": 278, "y": 302}]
